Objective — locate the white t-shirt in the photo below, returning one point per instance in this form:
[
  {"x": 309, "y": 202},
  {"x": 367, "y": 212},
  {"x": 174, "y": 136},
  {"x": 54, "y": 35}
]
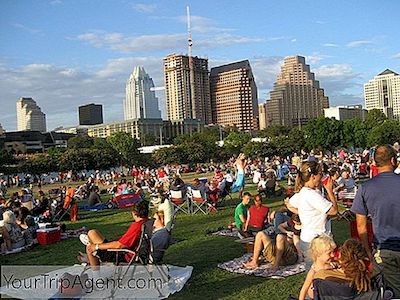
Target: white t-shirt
[
  {"x": 256, "y": 177},
  {"x": 313, "y": 208},
  {"x": 168, "y": 209}
]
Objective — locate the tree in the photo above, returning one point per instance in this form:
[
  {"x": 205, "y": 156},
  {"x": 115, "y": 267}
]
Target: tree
[
  {"x": 39, "y": 164},
  {"x": 374, "y": 118},
  {"x": 76, "y": 160},
  {"x": 6, "y": 158},
  {"x": 235, "y": 141},
  {"x": 354, "y": 133},
  {"x": 80, "y": 142},
  {"x": 387, "y": 132},
  {"x": 323, "y": 133},
  {"x": 273, "y": 131},
  {"x": 126, "y": 146}
]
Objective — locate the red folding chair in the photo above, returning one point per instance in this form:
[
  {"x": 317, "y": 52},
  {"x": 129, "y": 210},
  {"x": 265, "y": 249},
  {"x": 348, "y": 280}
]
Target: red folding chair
[
  {"x": 199, "y": 203},
  {"x": 179, "y": 202}
]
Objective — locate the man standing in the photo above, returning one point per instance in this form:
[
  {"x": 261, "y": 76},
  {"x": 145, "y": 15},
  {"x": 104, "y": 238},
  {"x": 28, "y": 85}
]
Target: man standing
[{"x": 380, "y": 199}]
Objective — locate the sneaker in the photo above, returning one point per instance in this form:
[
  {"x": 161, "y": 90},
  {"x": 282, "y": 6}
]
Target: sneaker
[{"x": 84, "y": 239}]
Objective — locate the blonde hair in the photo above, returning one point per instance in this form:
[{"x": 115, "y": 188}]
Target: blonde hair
[
  {"x": 9, "y": 217},
  {"x": 306, "y": 169},
  {"x": 319, "y": 244},
  {"x": 160, "y": 214}
]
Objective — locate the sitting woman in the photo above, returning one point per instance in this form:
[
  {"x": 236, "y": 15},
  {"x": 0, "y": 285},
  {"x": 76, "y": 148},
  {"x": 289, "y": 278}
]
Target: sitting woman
[
  {"x": 160, "y": 238},
  {"x": 12, "y": 233},
  {"x": 276, "y": 249},
  {"x": 321, "y": 251},
  {"x": 257, "y": 216},
  {"x": 292, "y": 229},
  {"x": 353, "y": 269}
]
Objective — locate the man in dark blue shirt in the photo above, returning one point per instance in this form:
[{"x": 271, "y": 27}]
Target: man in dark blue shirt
[{"x": 379, "y": 198}]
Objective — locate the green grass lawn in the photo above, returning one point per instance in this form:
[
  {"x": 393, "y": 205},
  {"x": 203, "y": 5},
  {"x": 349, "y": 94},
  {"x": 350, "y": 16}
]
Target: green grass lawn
[{"x": 194, "y": 247}]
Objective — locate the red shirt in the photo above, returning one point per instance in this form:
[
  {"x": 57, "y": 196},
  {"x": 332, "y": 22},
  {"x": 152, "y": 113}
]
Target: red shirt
[
  {"x": 374, "y": 170},
  {"x": 258, "y": 216},
  {"x": 131, "y": 238}
]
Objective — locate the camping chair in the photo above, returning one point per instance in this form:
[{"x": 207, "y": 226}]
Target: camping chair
[
  {"x": 325, "y": 289},
  {"x": 225, "y": 194},
  {"x": 63, "y": 211},
  {"x": 179, "y": 202},
  {"x": 199, "y": 203},
  {"x": 144, "y": 254}
]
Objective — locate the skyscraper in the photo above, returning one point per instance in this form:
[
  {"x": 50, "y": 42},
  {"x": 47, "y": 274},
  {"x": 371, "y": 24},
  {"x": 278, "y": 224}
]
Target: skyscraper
[
  {"x": 296, "y": 97},
  {"x": 383, "y": 92},
  {"x": 30, "y": 116},
  {"x": 180, "y": 103},
  {"x": 140, "y": 102},
  {"x": 234, "y": 96},
  {"x": 90, "y": 114}
]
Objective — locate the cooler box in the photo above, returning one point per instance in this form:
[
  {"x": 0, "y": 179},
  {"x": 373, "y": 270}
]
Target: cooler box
[{"x": 47, "y": 236}]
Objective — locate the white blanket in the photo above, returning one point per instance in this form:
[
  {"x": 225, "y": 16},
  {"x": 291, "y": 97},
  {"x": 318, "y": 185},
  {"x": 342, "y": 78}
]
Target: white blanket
[{"x": 45, "y": 289}]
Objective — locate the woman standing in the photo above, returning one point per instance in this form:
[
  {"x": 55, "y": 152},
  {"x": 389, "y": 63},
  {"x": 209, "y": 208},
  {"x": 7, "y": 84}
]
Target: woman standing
[{"x": 311, "y": 205}]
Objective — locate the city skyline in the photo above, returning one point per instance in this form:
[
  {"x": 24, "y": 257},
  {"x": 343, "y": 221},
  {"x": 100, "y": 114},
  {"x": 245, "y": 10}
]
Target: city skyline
[{"x": 63, "y": 62}]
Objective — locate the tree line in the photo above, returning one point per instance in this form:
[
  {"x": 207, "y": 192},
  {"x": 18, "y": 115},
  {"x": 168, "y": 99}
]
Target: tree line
[{"x": 121, "y": 149}]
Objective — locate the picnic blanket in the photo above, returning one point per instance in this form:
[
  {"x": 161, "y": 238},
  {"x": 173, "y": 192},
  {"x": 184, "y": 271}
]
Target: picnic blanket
[
  {"x": 73, "y": 233},
  {"x": 100, "y": 206},
  {"x": 45, "y": 288},
  {"x": 127, "y": 200},
  {"x": 227, "y": 232},
  {"x": 264, "y": 270}
]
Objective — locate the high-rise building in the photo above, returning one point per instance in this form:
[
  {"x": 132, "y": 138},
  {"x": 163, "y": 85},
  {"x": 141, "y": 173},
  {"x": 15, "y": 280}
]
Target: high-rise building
[
  {"x": 234, "y": 96},
  {"x": 140, "y": 101},
  {"x": 90, "y": 114},
  {"x": 183, "y": 101},
  {"x": 296, "y": 97},
  {"x": 383, "y": 92},
  {"x": 2, "y": 131},
  {"x": 262, "y": 116},
  {"x": 342, "y": 113},
  {"x": 30, "y": 116}
]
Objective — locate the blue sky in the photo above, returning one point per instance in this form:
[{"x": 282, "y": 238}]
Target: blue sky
[{"x": 68, "y": 53}]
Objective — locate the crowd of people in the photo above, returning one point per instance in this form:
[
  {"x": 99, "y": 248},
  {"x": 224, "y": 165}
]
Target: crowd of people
[
  {"x": 301, "y": 229},
  {"x": 298, "y": 231}
]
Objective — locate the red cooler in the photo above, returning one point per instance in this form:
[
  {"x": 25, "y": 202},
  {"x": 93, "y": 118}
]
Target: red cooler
[{"x": 47, "y": 236}]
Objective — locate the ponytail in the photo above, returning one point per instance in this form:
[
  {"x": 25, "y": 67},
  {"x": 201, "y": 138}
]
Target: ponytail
[{"x": 306, "y": 169}]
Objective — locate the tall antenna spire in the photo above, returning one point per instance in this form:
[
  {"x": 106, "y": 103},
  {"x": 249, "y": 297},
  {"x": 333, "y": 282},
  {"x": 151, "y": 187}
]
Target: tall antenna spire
[
  {"x": 192, "y": 100},
  {"x": 190, "y": 42}
]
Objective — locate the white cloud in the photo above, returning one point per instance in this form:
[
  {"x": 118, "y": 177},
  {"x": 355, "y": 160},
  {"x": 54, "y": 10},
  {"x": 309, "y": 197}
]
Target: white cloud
[
  {"x": 117, "y": 41},
  {"x": 396, "y": 55},
  {"x": 293, "y": 40},
  {"x": 359, "y": 43},
  {"x": 340, "y": 81},
  {"x": 147, "y": 43},
  {"x": 330, "y": 45},
  {"x": 59, "y": 90},
  {"x": 26, "y": 28},
  {"x": 144, "y": 8},
  {"x": 314, "y": 58},
  {"x": 335, "y": 70}
]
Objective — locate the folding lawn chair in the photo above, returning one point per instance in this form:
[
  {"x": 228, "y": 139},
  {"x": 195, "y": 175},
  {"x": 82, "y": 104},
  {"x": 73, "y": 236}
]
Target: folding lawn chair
[
  {"x": 144, "y": 254},
  {"x": 333, "y": 290},
  {"x": 179, "y": 202},
  {"x": 199, "y": 203}
]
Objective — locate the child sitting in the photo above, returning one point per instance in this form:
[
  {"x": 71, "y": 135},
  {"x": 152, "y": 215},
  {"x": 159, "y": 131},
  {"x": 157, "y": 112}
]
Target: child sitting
[{"x": 321, "y": 252}]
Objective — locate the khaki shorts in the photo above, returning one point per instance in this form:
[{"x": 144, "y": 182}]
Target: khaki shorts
[{"x": 289, "y": 256}]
